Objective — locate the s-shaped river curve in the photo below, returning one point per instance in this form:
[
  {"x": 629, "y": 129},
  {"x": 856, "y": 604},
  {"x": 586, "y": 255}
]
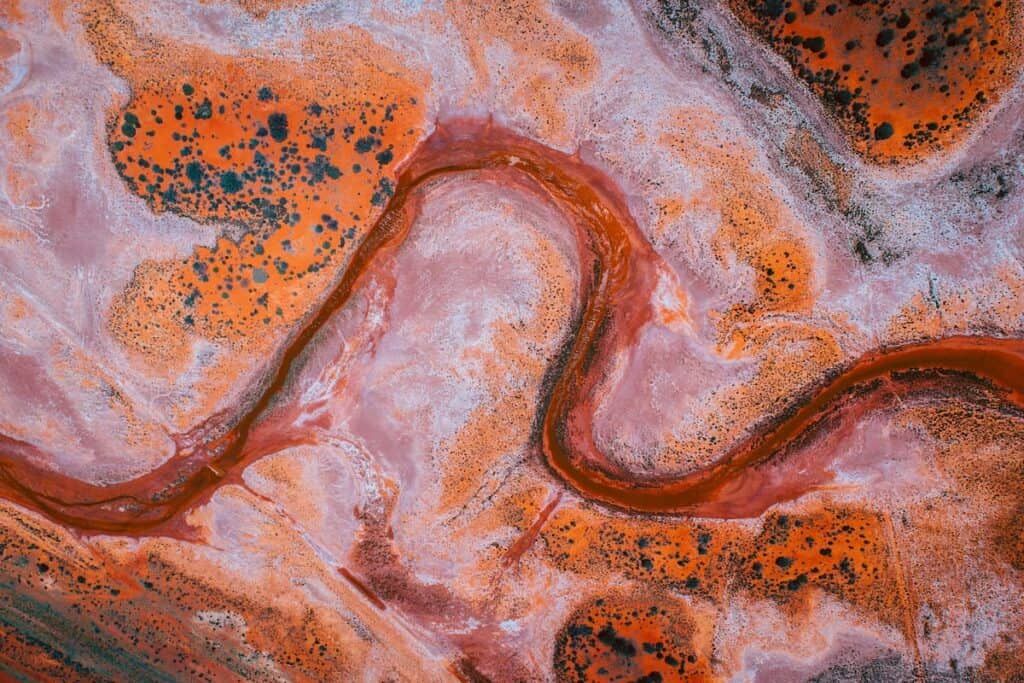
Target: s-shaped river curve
[{"x": 618, "y": 272}]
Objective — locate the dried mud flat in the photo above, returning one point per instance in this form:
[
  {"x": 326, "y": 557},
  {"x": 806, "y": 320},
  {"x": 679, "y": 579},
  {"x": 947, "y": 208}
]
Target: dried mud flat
[{"x": 521, "y": 341}]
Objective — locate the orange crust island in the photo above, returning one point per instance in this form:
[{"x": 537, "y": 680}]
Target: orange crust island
[{"x": 902, "y": 79}]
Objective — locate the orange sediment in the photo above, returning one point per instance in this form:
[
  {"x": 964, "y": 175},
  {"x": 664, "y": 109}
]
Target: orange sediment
[
  {"x": 618, "y": 273},
  {"x": 902, "y": 79}
]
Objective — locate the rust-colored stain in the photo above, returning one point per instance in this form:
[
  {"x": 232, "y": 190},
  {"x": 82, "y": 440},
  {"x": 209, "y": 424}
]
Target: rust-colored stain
[{"x": 449, "y": 341}]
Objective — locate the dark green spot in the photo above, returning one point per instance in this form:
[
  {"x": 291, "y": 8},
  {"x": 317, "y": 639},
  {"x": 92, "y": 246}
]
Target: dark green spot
[
  {"x": 194, "y": 172},
  {"x": 278, "y": 124},
  {"x": 230, "y": 182}
]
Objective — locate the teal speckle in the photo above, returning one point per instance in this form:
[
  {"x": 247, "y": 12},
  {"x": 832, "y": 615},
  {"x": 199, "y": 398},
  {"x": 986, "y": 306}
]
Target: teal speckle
[{"x": 230, "y": 182}]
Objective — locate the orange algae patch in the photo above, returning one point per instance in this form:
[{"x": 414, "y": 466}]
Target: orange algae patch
[
  {"x": 58, "y": 11},
  {"x": 844, "y": 552},
  {"x": 781, "y": 268},
  {"x": 684, "y": 556},
  {"x": 27, "y": 127},
  {"x": 902, "y": 79},
  {"x": 10, "y": 10},
  {"x": 841, "y": 551},
  {"x": 295, "y": 159},
  {"x": 636, "y": 638},
  {"x": 9, "y": 46}
]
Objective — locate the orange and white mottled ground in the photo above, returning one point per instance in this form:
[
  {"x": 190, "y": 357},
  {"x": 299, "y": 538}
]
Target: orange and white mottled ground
[{"x": 184, "y": 183}]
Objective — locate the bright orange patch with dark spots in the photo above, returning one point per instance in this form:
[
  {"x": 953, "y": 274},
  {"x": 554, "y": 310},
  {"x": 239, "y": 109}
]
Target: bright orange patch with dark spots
[
  {"x": 295, "y": 159},
  {"x": 631, "y": 639},
  {"x": 843, "y": 552},
  {"x": 840, "y": 551},
  {"x": 783, "y": 269},
  {"x": 684, "y": 556},
  {"x": 903, "y": 79},
  {"x": 300, "y": 178}
]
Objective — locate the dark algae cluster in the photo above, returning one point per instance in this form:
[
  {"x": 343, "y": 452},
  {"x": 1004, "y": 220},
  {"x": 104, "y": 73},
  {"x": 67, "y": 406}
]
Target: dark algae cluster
[
  {"x": 632, "y": 638},
  {"x": 290, "y": 163},
  {"x": 902, "y": 79},
  {"x": 839, "y": 550}
]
